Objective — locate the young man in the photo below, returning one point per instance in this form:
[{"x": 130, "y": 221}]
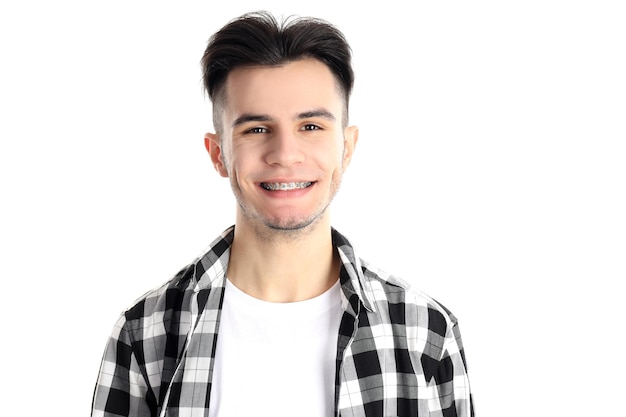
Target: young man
[{"x": 280, "y": 317}]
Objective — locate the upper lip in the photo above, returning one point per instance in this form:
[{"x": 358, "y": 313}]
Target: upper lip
[{"x": 283, "y": 180}]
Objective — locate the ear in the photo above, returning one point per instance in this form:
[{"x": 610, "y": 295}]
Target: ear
[
  {"x": 350, "y": 138},
  {"x": 214, "y": 148}
]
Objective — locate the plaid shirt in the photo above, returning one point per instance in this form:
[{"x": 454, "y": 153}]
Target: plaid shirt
[{"x": 399, "y": 351}]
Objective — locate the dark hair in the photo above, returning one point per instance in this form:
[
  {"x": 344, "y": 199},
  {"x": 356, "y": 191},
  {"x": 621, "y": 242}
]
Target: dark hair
[{"x": 257, "y": 38}]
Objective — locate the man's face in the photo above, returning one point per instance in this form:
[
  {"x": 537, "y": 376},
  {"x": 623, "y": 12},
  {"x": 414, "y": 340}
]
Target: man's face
[{"x": 283, "y": 144}]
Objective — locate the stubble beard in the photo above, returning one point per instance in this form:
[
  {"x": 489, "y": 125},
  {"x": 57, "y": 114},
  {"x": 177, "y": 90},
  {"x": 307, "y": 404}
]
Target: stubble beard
[{"x": 285, "y": 229}]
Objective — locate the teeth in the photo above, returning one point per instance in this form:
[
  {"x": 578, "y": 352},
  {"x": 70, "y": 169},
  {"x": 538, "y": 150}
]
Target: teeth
[{"x": 285, "y": 186}]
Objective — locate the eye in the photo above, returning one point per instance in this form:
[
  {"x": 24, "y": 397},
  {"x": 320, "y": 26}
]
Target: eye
[
  {"x": 257, "y": 130},
  {"x": 310, "y": 126}
]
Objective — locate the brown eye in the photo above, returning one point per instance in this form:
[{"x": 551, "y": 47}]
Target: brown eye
[
  {"x": 310, "y": 127},
  {"x": 257, "y": 130}
]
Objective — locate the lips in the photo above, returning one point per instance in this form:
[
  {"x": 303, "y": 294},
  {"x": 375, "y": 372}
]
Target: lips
[{"x": 285, "y": 186}]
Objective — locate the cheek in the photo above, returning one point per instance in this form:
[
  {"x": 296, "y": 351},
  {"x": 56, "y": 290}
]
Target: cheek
[
  {"x": 240, "y": 167},
  {"x": 341, "y": 157},
  {"x": 332, "y": 152}
]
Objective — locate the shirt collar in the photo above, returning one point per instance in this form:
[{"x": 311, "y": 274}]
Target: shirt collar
[
  {"x": 211, "y": 266},
  {"x": 351, "y": 276}
]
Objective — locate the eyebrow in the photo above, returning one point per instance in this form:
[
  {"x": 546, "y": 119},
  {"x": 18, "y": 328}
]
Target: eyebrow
[
  {"x": 250, "y": 117},
  {"x": 324, "y": 114},
  {"x": 245, "y": 118}
]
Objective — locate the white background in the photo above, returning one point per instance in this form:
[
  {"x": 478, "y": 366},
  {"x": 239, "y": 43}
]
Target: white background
[{"x": 490, "y": 173}]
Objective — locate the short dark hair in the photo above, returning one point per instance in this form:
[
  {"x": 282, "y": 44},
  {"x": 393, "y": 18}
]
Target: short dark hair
[{"x": 257, "y": 38}]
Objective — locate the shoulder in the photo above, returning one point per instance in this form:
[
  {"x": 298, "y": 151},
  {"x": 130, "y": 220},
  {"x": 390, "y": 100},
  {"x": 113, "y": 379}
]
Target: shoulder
[
  {"x": 162, "y": 300},
  {"x": 410, "y": 306}
]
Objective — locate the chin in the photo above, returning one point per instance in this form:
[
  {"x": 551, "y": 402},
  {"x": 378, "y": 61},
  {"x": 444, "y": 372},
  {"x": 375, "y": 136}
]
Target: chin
[
  {"x": 292, "y": 224},
  {"x": 289, "y": 225}
]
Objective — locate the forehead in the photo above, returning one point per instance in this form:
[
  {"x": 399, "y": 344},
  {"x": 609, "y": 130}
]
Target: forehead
[{"x": 294, "y": 86}]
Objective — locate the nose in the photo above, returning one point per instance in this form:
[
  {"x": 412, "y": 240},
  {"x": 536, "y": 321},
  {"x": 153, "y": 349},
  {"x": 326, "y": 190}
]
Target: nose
[{"x": 285, "y": 149}]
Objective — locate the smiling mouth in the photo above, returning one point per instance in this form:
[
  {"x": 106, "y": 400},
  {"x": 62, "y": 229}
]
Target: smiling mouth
[{"x": 285, "y": 186}]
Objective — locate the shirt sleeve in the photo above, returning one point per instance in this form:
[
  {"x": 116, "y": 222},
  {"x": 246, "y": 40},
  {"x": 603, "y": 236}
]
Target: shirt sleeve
[
  {"x": 121, "y": 389},
  {"x": 451, "y": 382}
]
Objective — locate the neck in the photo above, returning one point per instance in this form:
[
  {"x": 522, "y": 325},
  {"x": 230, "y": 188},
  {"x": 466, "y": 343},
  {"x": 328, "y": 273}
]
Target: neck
[{"x": 283, "y": 270}]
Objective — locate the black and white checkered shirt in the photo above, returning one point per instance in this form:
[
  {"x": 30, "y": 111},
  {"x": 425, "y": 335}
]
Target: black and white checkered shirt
[{"x": 399, "y": 351}]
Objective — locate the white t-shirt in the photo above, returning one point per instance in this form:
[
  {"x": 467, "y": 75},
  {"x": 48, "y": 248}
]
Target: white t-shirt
[{"x": 276, "y": 359}]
